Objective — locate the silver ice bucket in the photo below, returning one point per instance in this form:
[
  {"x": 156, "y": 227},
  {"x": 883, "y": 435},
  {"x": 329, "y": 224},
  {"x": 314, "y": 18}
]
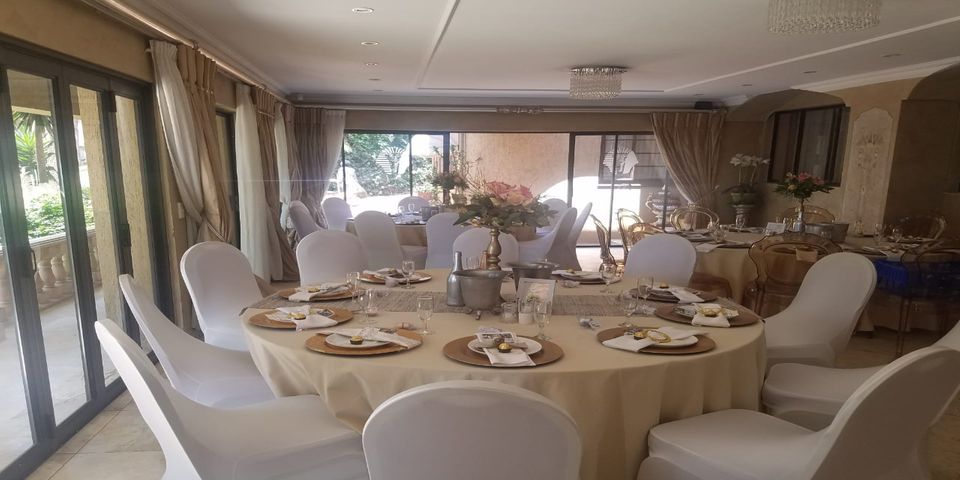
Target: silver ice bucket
[
  {"x": 837, "y": 232},
  {"x": 531, "y": 270},
  {"x": 481, "y": 289}
]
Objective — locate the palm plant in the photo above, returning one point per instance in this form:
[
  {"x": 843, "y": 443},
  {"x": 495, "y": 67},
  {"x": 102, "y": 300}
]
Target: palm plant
[{"x": 42, "y": 130}]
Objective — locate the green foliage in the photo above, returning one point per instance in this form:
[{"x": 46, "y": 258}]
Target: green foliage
[
  {"x": 361, "y": 151},
  {"x": 45, "y": 214},
  {"x": 35, "y": 150}
]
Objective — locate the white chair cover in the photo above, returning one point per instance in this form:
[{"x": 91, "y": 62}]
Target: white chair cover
[
  {"x": 810, "y": 396},
  {"x": 328, "y": 256},
  {"x": 551, "y": 245},
  {"x": 566, "y": 252},
  {"x": 665, "y": 257},
  {"x": 558, "y": 206},
  {"x": 302, "y": 220},
  {"x": 415, "y": 202},
  {"x": 378, "y": 236},
  {"x": 470, "y": 430},
  {"x": 441, "y": 233},
  {"x": 876, "y": 435},
  {"x": 221, "y": 283},
  {"x": 819, "y": 321},
  {"x": 202, "y": 372},
  {"x": 336, "y": 211},
  {"x": 474, "y": 242},
  {"x": 291, "y": 437}
]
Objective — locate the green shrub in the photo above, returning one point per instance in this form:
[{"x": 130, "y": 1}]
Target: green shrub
[{"x": 45, "y": 214}]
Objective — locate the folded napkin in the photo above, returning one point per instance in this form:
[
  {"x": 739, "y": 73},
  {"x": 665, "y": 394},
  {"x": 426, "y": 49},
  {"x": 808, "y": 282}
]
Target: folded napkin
[
  {"x": 578, "y": 275},
  {"x": 381, "y": 274},
  {"x": 718, "y": 321},
  {"x": 303, "y": 294},
  {"x": 627, "y": 342},
  {"x": 514, "y": 358},
  {"x": 373, "y": 333},
  {"x": 685, "y": 296},
  {"x": 318, "y": 319},
  {"x": 707, "y": 247}
]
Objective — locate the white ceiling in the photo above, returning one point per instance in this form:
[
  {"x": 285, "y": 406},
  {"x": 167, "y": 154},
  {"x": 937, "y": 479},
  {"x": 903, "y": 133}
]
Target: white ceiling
[{"x": 519, "y": 51}]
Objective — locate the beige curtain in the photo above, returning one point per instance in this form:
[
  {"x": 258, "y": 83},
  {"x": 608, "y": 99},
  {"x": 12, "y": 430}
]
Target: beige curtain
[
  {"x": 198, "y": 71},
  {"x": 266, "y": 105},
  {"x": 690, "y": 143},
  {"x": 319, "y": 141},
  {"x": 293, "y": 162}
]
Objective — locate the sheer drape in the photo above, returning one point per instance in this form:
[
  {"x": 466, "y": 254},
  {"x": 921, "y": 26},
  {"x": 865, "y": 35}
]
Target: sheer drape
[
  {"x": 690, "y": 143},
  {"x": 319, "y": 136},
  {"x": 283, "y": 262},
  {"x": 255, "y": 224},
  {"x": 283, "y": 161}
]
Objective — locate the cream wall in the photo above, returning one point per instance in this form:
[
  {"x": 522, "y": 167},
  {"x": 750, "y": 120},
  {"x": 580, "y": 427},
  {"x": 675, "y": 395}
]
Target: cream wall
[{"x": 537, "y": 160}]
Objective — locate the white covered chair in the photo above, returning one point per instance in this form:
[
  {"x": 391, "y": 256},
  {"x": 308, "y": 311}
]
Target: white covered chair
[
  {"x": 336, "y": 211},
  {"x": 456, "y": 430},
  {"x": 204, "y": 373},
  {"x": 819, "y": 321},
  {"x": 810, "y": 396},
  {"x": 558, "y": 206},
  {"x": 441, "y": 233},
  {"x": 413, "y": 201},
  {"x": 285, "y": 438},
  {"x": 221, "y": 283},
  {"x": 665, "y": 257},
  {"x": 302, "y": 220},
  {"x": 328, "y": 256},
  {"x": 551, "y": 245},
  {"x": 877, "y": 434},
  {"x": 381, "y": 245},
  {"x": 566, "y": 252},
  {"x": 474, "y": 242}
]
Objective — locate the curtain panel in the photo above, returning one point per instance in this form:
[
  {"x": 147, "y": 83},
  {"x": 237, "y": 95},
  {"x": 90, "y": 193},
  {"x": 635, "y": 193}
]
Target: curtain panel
[
  {"x": 690, "y": 143},
  {"x": 283, "y": 163},
  {"x": 283, "y": 262},
  {"x": 255, "y": 223},
  {"x": 319, "y": 137}
]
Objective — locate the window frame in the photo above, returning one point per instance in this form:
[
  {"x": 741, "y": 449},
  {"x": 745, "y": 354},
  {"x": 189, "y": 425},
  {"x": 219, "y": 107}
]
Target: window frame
[
  {"x": 410, "y": 134},
  {"x": 840, "y": 119}
]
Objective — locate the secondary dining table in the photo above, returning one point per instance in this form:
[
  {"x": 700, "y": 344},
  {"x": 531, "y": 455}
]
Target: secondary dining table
[{"x": 614, "y": 396}]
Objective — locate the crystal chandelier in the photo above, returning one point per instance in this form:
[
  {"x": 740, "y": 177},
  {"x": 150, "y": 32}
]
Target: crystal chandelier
[
  {"x": 595, "y": 83},
  {"x": 822, "y": 16}
]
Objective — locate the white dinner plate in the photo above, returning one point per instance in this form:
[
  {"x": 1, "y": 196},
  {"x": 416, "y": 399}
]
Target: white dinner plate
[
  {"x": 341, "y": 341},
  {"x": 533, "y": 346},
  {"x": 683, "y": 342},
  {"x": 691, "y": 310}
]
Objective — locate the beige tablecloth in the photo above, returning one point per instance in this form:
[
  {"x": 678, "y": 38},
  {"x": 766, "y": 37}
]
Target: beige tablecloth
[
  {"x": 413, "y": 235},
  {"x": 614, "y": 396}
]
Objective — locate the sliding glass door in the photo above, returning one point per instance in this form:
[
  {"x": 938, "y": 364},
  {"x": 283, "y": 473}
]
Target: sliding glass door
[{"x": 70, "y": 160}]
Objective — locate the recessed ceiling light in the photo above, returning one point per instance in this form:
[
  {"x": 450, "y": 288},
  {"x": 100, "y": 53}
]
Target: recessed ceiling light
[
  {"x": 810, "y": 71},
  {"x": 362, "y": 10},
  {"x": 369, "y": 44},
  {"x": 374, "y": 79},
  {"x": 891, "y": 55},
  {"x": 372, "y": 64},
  {"x": 697, "y": 94},
  {"x": 746, "y": 85},
  {"x": 377, "y": 90}
]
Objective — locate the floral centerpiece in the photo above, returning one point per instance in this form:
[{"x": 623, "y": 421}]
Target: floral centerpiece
[
  {"x": 745, "y": 191},
  {"x": 801, "y": 187},
  {"x": 451, "y": 181},
  {"x": 500, "y": 206}
]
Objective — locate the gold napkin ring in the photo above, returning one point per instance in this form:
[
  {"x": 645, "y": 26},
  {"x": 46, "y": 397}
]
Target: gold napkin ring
[{"x": 657, "y": 336}]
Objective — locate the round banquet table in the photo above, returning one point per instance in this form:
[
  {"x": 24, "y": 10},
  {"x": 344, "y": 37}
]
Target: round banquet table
[{"x": 615, "y": 397}]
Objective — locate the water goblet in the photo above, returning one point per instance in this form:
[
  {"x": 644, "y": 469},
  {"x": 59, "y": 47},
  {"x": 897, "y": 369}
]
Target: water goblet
[
  {"x": 608, "y": 272},
  {"x": 424, "y": 312},
  {"x": 628, "y": 303},
  {"x": 644, "y": 287},
  {"x": 408, "y": 268},
  {"x": 896, "y": 234},
  {"x": 541, "y": 315},
  {"x": 353, "y": 283},
  {"x": 740, "y": 221}
]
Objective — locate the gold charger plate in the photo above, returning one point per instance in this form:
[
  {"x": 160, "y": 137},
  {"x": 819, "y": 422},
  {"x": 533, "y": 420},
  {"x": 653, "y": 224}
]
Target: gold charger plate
[
  {"x": 458, "y": 350},
  {"x": 318, "y": 343},
  {"x": 285, "y": 294},
  {"x": 424, "y": 277},
  {"x": 340, "y": 315},
  {"x": 744, "y": 317},
  {"x": 704, "y": 343}
]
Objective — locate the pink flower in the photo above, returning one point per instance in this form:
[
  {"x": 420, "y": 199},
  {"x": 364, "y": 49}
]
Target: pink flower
[
  {"x": 803, "y": 177},
  {"x": 498, "y": 189},
  {"x": 515, "y": 198},
  {"x": 819, "y": 181}
]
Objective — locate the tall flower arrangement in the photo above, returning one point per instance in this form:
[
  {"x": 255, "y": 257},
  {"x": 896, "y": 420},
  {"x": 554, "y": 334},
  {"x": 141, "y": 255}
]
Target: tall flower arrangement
[
  {"x": 802, "y": 186},
  {"x": 499, "y": 205},
  {"x": 747, "y": 166}
]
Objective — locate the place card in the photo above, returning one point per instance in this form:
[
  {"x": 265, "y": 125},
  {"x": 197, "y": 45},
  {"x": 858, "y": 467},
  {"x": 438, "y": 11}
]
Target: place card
[{"x": 775, "y": 227}]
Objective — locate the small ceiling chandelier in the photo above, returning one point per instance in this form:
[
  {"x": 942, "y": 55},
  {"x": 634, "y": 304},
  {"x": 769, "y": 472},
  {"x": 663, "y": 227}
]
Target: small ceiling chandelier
[
  {"x": 822, "y": 16},
  {"x": 596, "y": 83}
]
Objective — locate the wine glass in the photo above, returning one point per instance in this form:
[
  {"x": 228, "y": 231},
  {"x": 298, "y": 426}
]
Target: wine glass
[
  {"x": 628, "y": 303},
  {"x": 896, "y": 234},
  {"x": 541, "y": 314},
  {"x": 740, "y": 221},
  {"x": 367, "y": 306},
  {"x": 425, "y": 311},
  {"x": 408, "y": 268},
  {"x": 353, "y": 283},
  {"x": 608, "y": 272},
  {"x": 644, "y": 287},
  {"x": 878, "y": 231}
]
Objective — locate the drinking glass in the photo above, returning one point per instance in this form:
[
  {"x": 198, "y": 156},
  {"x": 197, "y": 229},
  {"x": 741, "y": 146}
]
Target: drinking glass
[
  {"x": 425, "y": 311},
  {"x": 628, "y": 303},
  {"x": 644, "y": 286},
  {"x": 407, "y": 268},
  {"x": 353, "y": 283},
  {"x": 878, "y": 232},
  {"x": 896, "y": 234},
  {"x": 365, "y": 299},
  {"x": 541, "y": 314},
  {"x": 608, "y": 272},
  {"x": 716, "y": 231},
  {"x": 740, "y": 221}
]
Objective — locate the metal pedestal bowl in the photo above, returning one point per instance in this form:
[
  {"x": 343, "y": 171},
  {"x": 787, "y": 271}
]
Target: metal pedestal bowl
[
  {"x": 481, "y": 289},
  {"x": 531, "y": 270}
]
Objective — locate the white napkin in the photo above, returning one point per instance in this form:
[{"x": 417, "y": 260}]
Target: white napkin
[
  {"x": 319, "y": 319},
  {"x": 627, "y": 342},
  {"x": 515, "y": 358},
  {"x": 373, "y": 333},
  {"x": 707, "y": 247},
  {"x": 718, "y": 321},
  {"x": 685, "y": 296},
  {"x": 381, "y": 274},
  {"x": 303, "y": 294},
  {"x": 578, "y": 275}
]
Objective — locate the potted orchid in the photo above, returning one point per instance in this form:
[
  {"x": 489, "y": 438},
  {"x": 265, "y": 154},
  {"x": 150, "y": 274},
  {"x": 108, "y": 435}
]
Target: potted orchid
[{"x": 745, "y": 191}]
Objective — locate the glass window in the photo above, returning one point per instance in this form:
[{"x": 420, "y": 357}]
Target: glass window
[{"x": 809, "y": 141}]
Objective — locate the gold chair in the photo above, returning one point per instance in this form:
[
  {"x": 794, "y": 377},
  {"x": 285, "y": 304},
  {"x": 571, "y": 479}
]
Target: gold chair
[
  {"x": 692, "y": 217},
  {"x": 603, "y": 236},
  {"x": 923, "y": 226},
  {"x": 632, "y": 229},
  {"x": 782, "y": 261},
  {"x": 811, "y": 214}
]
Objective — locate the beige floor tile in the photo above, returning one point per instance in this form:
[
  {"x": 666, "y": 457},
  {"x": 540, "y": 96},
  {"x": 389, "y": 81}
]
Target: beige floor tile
[
  {"x": 119, "y": 403},
  {"x": 87, "y": 432},
  {"x": 113, "y": 466},
  {"x": 50, "y": 467},
  {"x": 127, "y": 432}
]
